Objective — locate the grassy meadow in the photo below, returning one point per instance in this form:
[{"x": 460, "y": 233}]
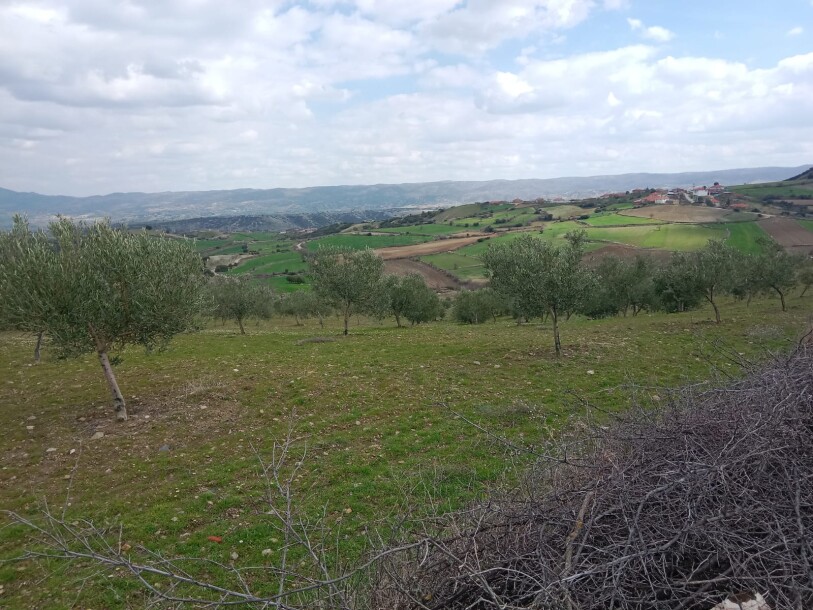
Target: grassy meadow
[{"x": 375, "y": 410}]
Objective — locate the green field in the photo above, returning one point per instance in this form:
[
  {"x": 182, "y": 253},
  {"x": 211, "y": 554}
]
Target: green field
[
  {"x": 807, "y": 224},
  {"x": 614, "y": 220},
  {"x": 280, "y": 262},
  {"x": 360, "y": 242},
  {"x": 776, "y": 189},
  {"x": 374, "y": 409},
  {"x": 433, "y": 229},
  {"x": 744, "y": 235},
  {"x": 676, "y": 237},
  {"x": 459, "y": 265}
]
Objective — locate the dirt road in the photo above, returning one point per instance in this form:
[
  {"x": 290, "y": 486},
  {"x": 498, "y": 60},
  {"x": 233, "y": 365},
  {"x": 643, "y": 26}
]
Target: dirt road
[{"x": 430, "y": 247}]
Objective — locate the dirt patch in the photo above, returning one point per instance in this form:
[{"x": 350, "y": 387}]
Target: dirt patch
[
  {"x": 430, "y": 247},
  {"x": 436, "y": 279},
  {"x": 227, "y": 260},
  {"x": 625, "y": 252},
  {"x": 678, "y": 213},
  {"x": 789, "y": 234}
]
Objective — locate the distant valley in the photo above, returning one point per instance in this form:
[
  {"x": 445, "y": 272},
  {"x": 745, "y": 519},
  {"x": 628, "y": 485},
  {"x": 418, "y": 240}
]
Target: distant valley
[{"x": 281, "y": 203}]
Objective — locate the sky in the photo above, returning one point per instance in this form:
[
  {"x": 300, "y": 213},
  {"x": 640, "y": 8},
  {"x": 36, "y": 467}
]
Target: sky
[{"x": 100, "y": 96}]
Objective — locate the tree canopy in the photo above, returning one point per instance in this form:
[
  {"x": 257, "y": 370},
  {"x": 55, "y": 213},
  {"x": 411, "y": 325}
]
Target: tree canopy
[
  {"x": 95, "y": 288},
  {"x": 541, "y": 278},
  {"x": 349, "y": 280}
]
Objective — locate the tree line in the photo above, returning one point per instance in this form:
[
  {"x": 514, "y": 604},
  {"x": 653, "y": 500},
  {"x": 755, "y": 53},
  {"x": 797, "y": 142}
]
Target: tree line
[{"x": 95, "y": 288}]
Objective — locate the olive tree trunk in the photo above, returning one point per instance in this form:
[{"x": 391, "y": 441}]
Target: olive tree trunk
[
  {"x": 556, "y": 341},
  {"x": 119, "y": 405},
  {"x": 782, "y": 298},
  {"x": 38, "y": 347}
]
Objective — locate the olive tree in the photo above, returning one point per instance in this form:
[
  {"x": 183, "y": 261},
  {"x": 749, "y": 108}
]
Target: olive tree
[
  {"x": 22, "y": 254},
  {"x": 349, "y": 280},
  {"x": 774, "y": 269},
  {"x": 714, "y": 269},
  {"x": 95, "y": 288},
  {"x": 239, "y": 298},
  {"x": 477, "y": 306},
  {"x": 412, "y": 299},
  {"x": 675, "y": 285},
  {"x": 541, "y": 278},
  {"x": 303, "y": 304},
  {"x": 805, "y": 276}
]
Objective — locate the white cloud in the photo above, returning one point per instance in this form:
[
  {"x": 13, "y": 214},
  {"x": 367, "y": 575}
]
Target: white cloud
[
  {"x": 184, "y": 95},
  {"x": 797, "y": 31},
  {"x": 655, "y": 32}
]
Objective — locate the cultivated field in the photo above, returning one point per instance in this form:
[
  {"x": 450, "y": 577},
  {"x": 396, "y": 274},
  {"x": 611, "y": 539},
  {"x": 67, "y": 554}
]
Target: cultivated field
[
  {"x": 422, "y": 249},
  {"x": 375, "y": 410},
  {"x": 685, "y": 213},
  {"x": 677, "y": 237},
  {"x": 437, "y": 280},
  {"x": 790, "y": 233}
]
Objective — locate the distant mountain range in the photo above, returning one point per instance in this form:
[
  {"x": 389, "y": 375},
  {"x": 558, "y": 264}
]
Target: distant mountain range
[{"x": 144, "y": 207}]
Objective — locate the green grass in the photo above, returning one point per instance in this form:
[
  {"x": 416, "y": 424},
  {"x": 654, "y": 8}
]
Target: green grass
[
  {"x": 680, "y": 237},
  {"x": 744, "y": 235},
  {"x": 807, "y": 224},
  {"x": 368, "y": 407},
  {"x": 471, "y": 209},
  {"x": 776, "y": 189},
  {"x": 459, "y": 265},
  {"x": 433, "y": 229},
  {"x": 566, "y": 211},
  {"x": 359, "y": 242},
  {"x": 279, "y": 262},
  {"x": 613, "y": 220}
]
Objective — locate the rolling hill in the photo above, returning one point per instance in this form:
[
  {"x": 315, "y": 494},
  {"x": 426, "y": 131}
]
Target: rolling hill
[{"x": 241, "y": 202}]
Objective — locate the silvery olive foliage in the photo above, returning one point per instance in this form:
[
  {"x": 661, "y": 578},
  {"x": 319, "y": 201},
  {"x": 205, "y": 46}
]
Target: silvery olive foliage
[{"x": 95, "y": 288}]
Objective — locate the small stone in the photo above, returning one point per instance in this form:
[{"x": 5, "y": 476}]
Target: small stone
[
  {"x": 50, "y": 450},
  {"x": 72, "y": 451},
  {"x": 234, "y": 555},
  {"x": 32, "y": 417},
  {"x": 29, "y": 427},
  {"x": 591, "y": 372},
  {"x": 174, "y": 519},
  {"x": 266, "y": 552},
  {"x": 164, "y": 448},
  {"x": 477, "y": 362},
  {"x": 96, "y": 436},
  {"x": 348, "y": 510}
]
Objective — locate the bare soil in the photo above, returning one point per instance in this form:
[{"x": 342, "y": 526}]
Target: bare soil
[
  {"x": 625, "y": 252},
  {"x": 436, "y": 280},
  {"x": 430, "y": 247},
  {"x": 789, "y": 233}
]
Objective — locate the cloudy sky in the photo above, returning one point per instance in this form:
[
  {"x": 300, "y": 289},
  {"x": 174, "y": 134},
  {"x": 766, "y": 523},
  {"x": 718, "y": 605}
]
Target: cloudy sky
[{"x": 151, "y": 95}]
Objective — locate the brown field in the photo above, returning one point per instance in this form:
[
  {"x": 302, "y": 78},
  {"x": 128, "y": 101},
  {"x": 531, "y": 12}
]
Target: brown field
[
  {"x": 789, "y": 233},
  {"x": 805, "y": 202},
  {"x": 430, "y": 247},
  {"x": 437, "y": 280},
  {"x": 678, "y": 213},
  {"x": 625, "y": 252}
]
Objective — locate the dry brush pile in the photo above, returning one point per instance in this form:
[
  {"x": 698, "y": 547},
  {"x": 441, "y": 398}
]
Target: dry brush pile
[{"x": 676, "y": 507}]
